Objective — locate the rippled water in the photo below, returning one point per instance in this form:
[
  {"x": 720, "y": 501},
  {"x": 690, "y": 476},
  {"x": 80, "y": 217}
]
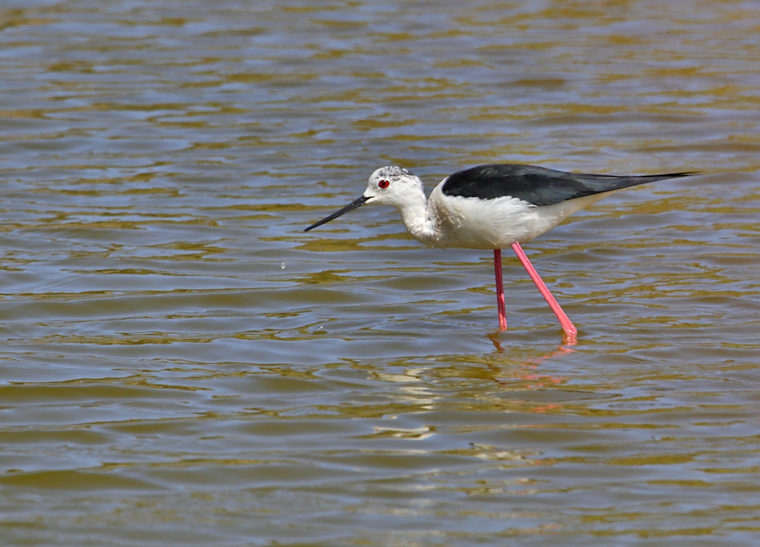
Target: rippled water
[{"x": 181, "y": 364}]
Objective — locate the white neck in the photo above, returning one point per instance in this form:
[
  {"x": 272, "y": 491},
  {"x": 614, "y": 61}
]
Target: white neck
[{"x": 418, "y": 221}]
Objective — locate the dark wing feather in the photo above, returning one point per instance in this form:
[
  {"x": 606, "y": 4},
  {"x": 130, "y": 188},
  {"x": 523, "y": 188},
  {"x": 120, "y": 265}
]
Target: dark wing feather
[{"x": 538, "y": 185}]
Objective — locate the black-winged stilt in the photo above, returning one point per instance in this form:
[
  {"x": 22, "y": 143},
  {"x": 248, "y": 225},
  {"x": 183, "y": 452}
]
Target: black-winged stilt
[{"x": 491, "y": 207}]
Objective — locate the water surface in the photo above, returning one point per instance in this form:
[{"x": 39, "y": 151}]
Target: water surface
[{"x": 181, "y": 364}]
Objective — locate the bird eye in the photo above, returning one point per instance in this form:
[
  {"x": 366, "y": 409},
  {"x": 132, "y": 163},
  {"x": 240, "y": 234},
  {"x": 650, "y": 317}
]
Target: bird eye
[{"x": 384, "y": 183}]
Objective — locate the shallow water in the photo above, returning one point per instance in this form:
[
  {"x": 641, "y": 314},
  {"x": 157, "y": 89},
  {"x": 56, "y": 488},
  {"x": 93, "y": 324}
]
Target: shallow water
[{"x": 183, "y": 365}]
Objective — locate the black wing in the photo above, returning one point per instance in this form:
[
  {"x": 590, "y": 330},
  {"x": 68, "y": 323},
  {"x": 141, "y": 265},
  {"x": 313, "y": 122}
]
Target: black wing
[{"x": 538, "y": 185}]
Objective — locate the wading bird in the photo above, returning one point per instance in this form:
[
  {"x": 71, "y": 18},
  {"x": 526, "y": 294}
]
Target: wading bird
[{"x": 491, "y": 207}]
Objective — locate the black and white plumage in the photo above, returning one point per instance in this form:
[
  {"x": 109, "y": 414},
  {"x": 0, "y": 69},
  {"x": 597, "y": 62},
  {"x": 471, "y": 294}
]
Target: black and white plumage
[
  {"x": 537, "y": 185},
  {"x": 491, "y": 207}
]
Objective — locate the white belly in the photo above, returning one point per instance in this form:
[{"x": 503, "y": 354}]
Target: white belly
[{"x": 496, "y": 223}]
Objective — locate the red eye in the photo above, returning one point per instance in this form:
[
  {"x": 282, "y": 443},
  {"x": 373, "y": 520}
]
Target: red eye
[{"x": 384, "y": 183}]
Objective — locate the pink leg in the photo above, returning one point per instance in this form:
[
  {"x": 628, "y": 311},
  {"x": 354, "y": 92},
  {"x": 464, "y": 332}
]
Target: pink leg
[
  {"x": 571, "y": 332},
  {"x": 499, "y": 290}
]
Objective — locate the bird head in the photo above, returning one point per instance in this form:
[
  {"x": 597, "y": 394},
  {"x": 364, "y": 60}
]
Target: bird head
[
  {"x": 392, "y": 185},
  {"x": 389, "y": 185}
]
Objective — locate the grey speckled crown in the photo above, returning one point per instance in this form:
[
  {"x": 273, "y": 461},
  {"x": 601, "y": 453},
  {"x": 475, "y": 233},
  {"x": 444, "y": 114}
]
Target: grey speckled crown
[{"x": 393, "y": 171}]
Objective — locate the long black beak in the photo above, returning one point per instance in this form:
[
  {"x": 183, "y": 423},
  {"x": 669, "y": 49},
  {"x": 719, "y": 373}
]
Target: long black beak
[{"x": 358, "y": 202}]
